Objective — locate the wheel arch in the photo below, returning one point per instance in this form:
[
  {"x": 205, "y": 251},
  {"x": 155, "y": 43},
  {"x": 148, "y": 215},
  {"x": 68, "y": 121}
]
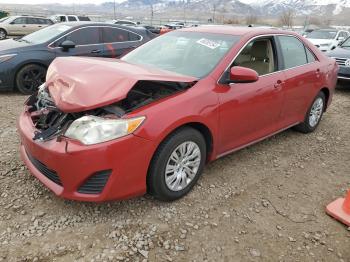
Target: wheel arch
[
  {"x": 327, "y": 94},
  {"x": 201, "y": 127},
  {"x": 1, "y": 28},
  {"x": 20, "y": 67}
]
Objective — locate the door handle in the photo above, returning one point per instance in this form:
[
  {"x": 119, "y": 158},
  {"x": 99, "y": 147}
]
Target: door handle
[
  {"x": 24, "y": 26},
  {"x": 95, "y": 51}
]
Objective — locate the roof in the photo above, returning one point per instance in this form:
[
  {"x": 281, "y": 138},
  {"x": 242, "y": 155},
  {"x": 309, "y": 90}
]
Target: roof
[
  {"x": 89, "y": 23},
  {"x": 233, "y": 30}
]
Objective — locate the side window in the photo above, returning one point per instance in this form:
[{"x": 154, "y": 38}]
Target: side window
[
  {"x": 114, "y": 35},
  {"x": 46, "y": 21},
  {"x": 84, "y": 36},
  {"x": 20, "y": 21},
  {"x": 63, "y": 19},
  {"x": 83, "y": 18},
  {"x": 134, "y": 37},
  {"x": 258, "y": 55},
  {"x": 293, "y": 51},
  {"x": 32, "y": 21},
  {"x": 71, "y": 19},
  {"x": 310, "y": 56}
]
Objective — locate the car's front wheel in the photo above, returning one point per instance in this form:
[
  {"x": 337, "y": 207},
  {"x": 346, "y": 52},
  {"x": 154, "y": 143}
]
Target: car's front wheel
[
  {"x": 314, "y": 115},
  {"x": 3, "y": 34},
  {"x": 177, "y": 164},
  {"x": 29, "y": 78}
]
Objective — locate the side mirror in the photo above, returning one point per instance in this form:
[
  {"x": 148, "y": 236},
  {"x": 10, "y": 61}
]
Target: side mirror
[
  {"x": 240, "y": 74},
  {"x": 66, "y": 45},
  {"x": 12, "y": 23}
]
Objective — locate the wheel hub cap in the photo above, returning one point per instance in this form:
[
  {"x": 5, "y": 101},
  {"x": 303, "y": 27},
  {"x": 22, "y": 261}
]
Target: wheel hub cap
[
  {"x": 316, "y": 112},
  {"x": 182, "y": 166}
]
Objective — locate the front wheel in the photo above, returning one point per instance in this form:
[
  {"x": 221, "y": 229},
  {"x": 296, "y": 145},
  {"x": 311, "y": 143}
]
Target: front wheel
[
  {"x": 314, "y": 115},
  {"x": 177, "y": 165},
  {"x": 29, "y": 78},
  {"x": 3, "y": 34}
]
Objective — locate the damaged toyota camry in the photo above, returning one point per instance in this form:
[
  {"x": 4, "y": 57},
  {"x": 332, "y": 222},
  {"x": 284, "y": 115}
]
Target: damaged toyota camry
[{"x": 105, "y": 129}]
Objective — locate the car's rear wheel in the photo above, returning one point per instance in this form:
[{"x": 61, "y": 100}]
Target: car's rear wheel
[
  {"x": 29, "y": 78},
  {"x": 314, "y": 115},
  {"x": 3, "y": 34},
  {"x": 177, "y": 165}
]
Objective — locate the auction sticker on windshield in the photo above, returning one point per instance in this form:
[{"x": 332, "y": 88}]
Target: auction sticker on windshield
[{"x": 208, "y": 43}]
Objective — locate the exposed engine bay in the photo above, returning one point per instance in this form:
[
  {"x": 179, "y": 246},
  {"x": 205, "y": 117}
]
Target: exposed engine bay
[{"x": 51, "y": 122}]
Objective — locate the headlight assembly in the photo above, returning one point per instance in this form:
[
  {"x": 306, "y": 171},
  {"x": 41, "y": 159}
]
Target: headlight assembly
[
  {"x": 4, "y": 58},
  {"x": 91, "y": 130}
]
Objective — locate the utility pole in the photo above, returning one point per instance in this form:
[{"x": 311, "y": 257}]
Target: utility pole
[{"x": 114, "y": 11}]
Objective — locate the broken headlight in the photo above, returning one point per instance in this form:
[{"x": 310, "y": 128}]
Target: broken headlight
[{"x": 92, "y": 130}]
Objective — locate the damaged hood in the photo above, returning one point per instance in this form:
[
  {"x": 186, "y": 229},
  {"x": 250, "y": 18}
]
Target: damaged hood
[{"x": 79, "y": 84}]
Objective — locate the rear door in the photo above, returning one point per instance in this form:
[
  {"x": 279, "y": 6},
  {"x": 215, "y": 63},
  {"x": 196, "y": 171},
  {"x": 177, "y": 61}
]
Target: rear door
[
  {"x": 87, "y": 41},
  {"x": 118, "y": 42},
  {"x": 303, "y": 76},
  {"x": 33, "y": 25}
]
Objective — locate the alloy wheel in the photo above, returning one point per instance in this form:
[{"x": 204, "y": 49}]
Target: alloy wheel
[
  {"x": 33, "y": 78},
  {"x": 316, "y": 112},
  {"x": 182, "y": 166}
]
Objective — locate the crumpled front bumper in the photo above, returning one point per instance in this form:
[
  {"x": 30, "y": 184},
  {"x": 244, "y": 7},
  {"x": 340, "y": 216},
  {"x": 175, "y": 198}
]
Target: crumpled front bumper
[{"x": 128, "y": 159}]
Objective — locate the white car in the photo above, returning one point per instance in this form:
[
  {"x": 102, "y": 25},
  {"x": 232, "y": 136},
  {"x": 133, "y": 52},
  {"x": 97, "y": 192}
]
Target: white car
[
  {"x": 327, "y": 39},
  {"x": 68, "y": 18},
  {"x": 123, "y": 22}
]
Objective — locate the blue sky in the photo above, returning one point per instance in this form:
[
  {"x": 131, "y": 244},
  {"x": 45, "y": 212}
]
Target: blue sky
[{"x": 55, "y": 1}]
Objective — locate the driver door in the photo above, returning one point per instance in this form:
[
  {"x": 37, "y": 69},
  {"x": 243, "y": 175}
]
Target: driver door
[
  {"x": 87, "y": 41},
  {"x": 251, "y": 111},
  {"x": 18, "y": 26}
]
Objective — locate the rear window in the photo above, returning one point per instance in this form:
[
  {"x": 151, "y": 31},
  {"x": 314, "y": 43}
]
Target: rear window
[
  {"x": 83, "y": 18},
  {"x": 116, "y": 35}
]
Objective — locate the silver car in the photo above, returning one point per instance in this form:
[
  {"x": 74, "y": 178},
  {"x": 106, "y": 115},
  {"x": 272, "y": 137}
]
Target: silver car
[{"x": 21, "y": 25}]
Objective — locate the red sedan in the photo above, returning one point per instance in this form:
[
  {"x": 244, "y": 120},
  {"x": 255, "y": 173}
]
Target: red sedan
[{"x": 104, "y": 129}]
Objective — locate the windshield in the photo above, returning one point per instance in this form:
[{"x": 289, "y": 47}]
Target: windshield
[
  {"x": 322, "y": 34},
  {"x": 3, "y": 19},
  {"x": 187, "y": 53},
  {"x": 46, "y": 34},
  {"x": 346, "y": 43}
]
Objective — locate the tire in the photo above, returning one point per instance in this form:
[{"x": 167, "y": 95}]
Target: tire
[
  {"x": 29, "y": 78},
  {"x": 311, "y": 123},
  {"x": 3, "y": 34},
  {"x": 157, "y": 185}
]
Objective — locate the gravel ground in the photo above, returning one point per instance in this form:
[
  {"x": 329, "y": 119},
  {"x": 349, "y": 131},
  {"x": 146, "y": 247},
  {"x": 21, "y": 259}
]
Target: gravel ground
[{"x": 263, "y": 203}]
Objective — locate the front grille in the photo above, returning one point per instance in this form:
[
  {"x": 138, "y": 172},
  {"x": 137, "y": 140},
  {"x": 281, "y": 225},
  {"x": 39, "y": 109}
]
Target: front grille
[
  {"x": 50, "y": 174},
  {"x": 96, "y": 183},
  {"x": 341, "y": 61}
]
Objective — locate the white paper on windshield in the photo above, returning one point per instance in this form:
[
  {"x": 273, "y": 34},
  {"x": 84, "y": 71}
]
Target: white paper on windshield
[{"x": 208, "y": 43}]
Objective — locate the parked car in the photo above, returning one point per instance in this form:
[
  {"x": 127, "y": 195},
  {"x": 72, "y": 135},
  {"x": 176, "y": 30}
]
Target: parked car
[
  {"x": 152, "y": 29},
  {"x": 327, "y": 39},
  {"x": 112, "y": 129},
  {"x": 342, "y": 55},
  {"x": 123, "y": 22},
  {"x": 24, "y": 61},
  {"x": 69, "y": 18},
  {"x": 21, "y": 25}
]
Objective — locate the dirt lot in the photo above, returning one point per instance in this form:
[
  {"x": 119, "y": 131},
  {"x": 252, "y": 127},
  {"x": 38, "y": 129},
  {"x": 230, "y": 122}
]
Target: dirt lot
[{"x": 263, "y": 203}]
